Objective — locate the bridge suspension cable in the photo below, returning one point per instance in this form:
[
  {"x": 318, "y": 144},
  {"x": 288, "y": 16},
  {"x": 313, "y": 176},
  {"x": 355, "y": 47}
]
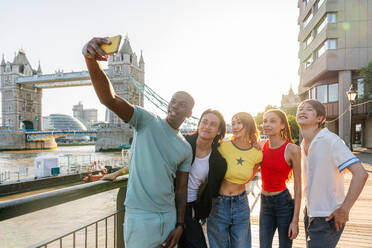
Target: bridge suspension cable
[{"x": 159, "y": 101}]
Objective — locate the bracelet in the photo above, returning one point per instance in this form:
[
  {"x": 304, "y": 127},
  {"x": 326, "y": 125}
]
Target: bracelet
[{"x": 181, "y": 224}]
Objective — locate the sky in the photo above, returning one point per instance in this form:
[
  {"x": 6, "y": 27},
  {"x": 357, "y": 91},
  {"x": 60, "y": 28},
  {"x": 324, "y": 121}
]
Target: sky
[{"x": 236, "y": 55}]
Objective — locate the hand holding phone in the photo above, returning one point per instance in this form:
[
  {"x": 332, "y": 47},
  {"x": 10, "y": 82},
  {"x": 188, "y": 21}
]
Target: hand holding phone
[{"x": 113, "y": 47}]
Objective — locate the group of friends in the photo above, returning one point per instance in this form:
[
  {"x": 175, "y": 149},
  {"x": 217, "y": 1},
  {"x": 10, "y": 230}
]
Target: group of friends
[{"x": 177, "y": 183}]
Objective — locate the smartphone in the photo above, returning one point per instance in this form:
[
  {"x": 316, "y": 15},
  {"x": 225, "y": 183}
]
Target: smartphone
[{"x": 114, "y": 46}]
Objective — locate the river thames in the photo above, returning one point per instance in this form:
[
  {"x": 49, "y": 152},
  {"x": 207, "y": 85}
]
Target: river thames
[{"x": 32, "y": 228}]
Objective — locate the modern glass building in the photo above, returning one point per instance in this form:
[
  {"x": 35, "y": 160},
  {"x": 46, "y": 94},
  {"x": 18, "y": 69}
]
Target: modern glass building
[{"x": 62, "y": 122}]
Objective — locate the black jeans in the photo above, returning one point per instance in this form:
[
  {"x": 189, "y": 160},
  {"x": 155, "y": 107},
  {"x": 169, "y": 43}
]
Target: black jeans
[{"x": 192, "y": 236}]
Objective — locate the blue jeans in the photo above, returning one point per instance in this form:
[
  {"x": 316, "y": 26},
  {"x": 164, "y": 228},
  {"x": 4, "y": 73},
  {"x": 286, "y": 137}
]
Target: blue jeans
[
  {"x": 228, "y": 225},
  {"x": 276, "y": 213},
  {"x": 321, "y": 233}
]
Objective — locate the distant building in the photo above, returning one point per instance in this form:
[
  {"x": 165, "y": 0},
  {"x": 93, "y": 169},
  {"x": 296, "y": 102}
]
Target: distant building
[
  {"x": 90, "y": 115},
  {"x": 21, "y": 106},
  {"x": 62, "y": 122},
  {"x": 335, "y": 42},
  {"x": 291, "y": 100},
  {"x": 78, "y": 111},
  {"x": 87, "y": 116}
]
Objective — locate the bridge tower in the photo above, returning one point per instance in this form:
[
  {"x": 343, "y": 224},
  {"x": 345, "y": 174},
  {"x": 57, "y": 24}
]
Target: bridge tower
[
  {"x": 21, "y": 104},
  {"x": 121, "y": 66}
]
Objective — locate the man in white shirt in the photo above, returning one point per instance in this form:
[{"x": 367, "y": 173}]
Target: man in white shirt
[{"x": 324, "y": 159}]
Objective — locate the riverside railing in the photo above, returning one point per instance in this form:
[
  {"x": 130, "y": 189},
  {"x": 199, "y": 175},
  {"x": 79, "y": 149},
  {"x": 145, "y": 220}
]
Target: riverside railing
[{"x": 14, "y": 208}]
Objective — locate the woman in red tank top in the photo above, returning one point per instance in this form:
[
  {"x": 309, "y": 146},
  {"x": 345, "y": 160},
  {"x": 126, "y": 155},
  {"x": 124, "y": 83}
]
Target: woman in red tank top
[{"x": 280, "y": 158}]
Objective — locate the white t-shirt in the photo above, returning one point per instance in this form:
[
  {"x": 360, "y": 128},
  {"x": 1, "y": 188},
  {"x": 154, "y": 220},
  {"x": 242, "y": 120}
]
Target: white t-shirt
[
  {"x": 198, "y": 174},
  {"x": 323, "y": 180}
]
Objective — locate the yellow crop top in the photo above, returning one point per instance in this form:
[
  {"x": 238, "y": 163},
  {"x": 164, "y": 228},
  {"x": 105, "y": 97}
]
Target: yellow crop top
[{"x": 240, "y": 162}]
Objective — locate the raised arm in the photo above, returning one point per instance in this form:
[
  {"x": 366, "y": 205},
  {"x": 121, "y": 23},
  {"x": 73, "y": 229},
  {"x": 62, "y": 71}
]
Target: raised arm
[{"x": 101, "y": 83}]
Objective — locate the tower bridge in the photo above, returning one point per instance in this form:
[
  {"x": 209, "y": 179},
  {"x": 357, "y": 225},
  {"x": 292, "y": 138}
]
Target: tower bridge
[{"x": 22, "y": 87}]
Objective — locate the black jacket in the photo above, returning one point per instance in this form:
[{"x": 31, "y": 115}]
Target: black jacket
[{"x": 209, "y": 189}]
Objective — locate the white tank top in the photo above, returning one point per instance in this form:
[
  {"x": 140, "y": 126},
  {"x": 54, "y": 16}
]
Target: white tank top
[{"x": 198, "y": 174}]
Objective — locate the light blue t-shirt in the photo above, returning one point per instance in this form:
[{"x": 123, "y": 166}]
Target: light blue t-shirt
[{"x": 157, "y": 152}]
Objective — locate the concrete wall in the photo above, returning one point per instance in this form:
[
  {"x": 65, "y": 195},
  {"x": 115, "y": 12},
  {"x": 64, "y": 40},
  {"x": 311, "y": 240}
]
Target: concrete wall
[
  {"x": 41, "y": 144},
  {"x": 344, "y": 122},
  {"x": 12, "y": 141},
  {"x": 17, "y": 141},
  {"x": 368, "y": 133}
]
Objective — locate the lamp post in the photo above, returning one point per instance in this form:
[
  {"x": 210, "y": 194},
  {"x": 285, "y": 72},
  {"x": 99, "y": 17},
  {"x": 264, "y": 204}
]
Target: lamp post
[{"x": 351, "y": 95}]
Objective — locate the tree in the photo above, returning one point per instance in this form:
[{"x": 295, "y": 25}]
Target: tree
[
  {"x": 366, "y": 73},
  {"x": 295, "y": 130}
]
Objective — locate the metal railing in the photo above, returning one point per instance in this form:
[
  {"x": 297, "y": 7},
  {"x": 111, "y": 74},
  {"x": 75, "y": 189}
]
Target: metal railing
[
  {"x": 71, "y": 236},
  {"x": 13, "y": 174},
  {"x": 69, "y": 164},
  {"x": 14, "y": 208}
]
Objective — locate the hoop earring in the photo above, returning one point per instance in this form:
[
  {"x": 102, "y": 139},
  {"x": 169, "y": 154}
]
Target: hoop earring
[{"x": 282, "y": 134}]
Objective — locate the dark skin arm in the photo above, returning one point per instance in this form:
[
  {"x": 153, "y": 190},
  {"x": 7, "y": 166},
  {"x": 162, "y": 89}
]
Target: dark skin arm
[
  {"x": 181, "y": 199},
  {"x": 102, "y": 85}
]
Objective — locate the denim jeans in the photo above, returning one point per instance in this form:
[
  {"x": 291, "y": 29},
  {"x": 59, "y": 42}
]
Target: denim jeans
[
  {"x": 276, "y": 213},
  {"x": 193, "y": 235},
  {"x": 228, "y": 225},
  {"x": 321, "y": 233}
]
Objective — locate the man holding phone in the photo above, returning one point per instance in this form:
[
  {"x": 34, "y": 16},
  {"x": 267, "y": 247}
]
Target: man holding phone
[{"x": 154, "y": 209}]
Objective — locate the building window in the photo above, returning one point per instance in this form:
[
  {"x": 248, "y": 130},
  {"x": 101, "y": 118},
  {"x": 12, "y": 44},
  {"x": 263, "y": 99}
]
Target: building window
[
  {"x": 333, "y": 92},
  {"x": 321, "y": 93},
  {"x": 327, "y": 45},
  {"x": 312, "y": 93},
  {"x": 308, "y": 40},
  {"x": 328, "y": 18},
  {"x": 331, "y": 44},
  {"x": 308, "y": 61},
  {"x": 319, "y": 3},
  {"x": 360, "y": 88},
  {"x": 322, "y": 49},
  {"x": 322, "y": 24},
  {"x": 331, "y": 17},
  {"x": 308, "y": 19},
  {"x": 313, "y": 90}
]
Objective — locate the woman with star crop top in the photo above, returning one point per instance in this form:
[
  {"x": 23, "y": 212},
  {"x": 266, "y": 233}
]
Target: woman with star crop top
[
  {"x": 228, "y": 224},
  {"x": 280, "y": 158}
]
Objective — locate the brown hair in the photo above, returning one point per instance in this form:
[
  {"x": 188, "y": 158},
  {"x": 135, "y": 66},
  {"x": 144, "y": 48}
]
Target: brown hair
[
  {"x": 285, "y": 133},
  {"x": 318, "y": 107},
  {"x": 249, "y": 124},
  {"x": 221, "y": 127}
]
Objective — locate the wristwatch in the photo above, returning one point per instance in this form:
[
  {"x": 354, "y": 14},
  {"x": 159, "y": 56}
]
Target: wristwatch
[{"x": 181, "y": 224}]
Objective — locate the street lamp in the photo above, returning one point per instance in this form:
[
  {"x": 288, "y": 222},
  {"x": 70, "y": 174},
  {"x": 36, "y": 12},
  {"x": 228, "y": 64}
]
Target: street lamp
[{"x": 351, "y": 95}]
